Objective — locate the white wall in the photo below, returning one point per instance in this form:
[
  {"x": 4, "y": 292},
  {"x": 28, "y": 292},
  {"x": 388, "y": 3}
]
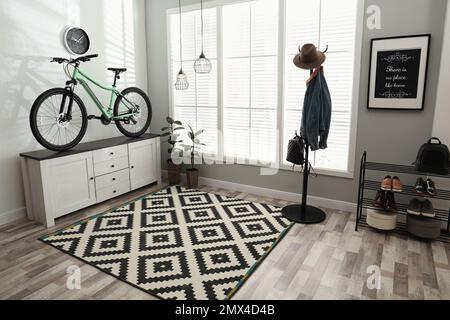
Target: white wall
[
  {"x": 30, "y": 33},
  {"x": 441, "y": 126}
]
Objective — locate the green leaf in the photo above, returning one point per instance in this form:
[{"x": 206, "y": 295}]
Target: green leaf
[
  {"x": 178, "y": 128},
  {"x": 165, "y": 129},
  {"x": 192, "y": 130},
  {"x": 191, "y": 135},
  {"x": 169, "y": 120},
  {"x": 170, "y": 151},
  {"x": 178, "y": 123},
  {"x": 199, "y": 132},
  {"x": 165, "y": 134}
]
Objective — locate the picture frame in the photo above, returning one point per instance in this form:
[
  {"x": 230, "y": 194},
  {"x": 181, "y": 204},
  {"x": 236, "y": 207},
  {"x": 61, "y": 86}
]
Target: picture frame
[{"x": 398, "y": 72}]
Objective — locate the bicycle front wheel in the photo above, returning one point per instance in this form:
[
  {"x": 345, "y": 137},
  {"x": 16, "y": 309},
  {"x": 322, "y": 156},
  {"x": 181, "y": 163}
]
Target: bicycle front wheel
[
  {"x": 134, "y": 105},
  {"x": 52, "y": 125}
]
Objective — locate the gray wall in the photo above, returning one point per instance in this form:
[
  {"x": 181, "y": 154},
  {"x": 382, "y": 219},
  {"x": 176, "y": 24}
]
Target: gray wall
[
  {"x": 30, "y": 34},
  {"x": 441, "y": 126},
  {"x": 389, "y": 136}
]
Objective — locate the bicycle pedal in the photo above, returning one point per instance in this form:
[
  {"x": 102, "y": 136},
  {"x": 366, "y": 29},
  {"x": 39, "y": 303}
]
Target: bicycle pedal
[{"x": 92, "y": 117}]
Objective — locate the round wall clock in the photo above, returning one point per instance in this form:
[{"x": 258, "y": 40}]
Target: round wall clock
[{"x": 76, "y": 41}]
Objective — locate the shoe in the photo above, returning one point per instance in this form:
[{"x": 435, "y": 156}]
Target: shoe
[
  {"x": 420, "y": 187},
  {"x": 390, "y": 202},
  {"x": 386, "y": 185},
  {"x": 415, "y": 207},
  {"x": 380, "y": 200},
  {"x": 397, "y": 185},
  {"x": 431, "y": 190},
  {"x": 427, "y": 209}
]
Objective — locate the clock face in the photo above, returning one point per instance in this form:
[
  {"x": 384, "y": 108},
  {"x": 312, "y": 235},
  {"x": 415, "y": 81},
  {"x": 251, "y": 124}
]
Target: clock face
[{"x": 76, "y": 41}]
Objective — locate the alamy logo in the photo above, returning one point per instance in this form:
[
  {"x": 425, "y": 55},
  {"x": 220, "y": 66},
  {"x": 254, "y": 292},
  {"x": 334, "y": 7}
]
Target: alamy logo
[
  {"x": 374, "y": 280},
  {"x": 74, "y": 278},
  {"x": 374, "y": 17}
]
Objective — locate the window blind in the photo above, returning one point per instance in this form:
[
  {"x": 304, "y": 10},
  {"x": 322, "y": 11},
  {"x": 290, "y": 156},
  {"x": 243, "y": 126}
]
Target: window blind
[
  {"x": 250, "y": 80},
  {"x": 196, "y": 106},
  {"x": 323, "y": 22}
]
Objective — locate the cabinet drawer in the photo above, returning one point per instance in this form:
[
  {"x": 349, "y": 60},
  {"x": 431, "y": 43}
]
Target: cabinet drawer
[
  {"x": 112, "y": 178},
  {"x": 113, "y": 191},
  {"x": 105, "y": 167},
  {"x": 110, "y": 153}
]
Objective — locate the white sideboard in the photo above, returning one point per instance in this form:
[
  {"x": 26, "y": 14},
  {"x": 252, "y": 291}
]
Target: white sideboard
[{"x": 57, "y": 184}]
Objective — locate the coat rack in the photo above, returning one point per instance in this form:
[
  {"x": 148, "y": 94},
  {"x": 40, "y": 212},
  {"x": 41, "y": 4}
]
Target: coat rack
[{"x": 302, "y": 213}]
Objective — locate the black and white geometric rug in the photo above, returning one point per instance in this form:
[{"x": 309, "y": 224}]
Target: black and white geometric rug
[{"x": 178, "y": 243}]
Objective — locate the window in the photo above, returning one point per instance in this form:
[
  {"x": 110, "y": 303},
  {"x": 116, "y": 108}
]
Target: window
[
  {"x": 255, "y": 93},
  {"x": 196, "y": 106},
  {"x": 332, "y": 23},
  {"x": 250, "y": 80}
]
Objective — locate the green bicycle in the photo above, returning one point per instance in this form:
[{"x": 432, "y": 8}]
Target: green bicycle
[{"x": 59, "y": 118}]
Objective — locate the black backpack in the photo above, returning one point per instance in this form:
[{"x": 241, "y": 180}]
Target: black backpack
[
  {"x": 433, "y": 157},
  {"x": 296, "y": 151}
]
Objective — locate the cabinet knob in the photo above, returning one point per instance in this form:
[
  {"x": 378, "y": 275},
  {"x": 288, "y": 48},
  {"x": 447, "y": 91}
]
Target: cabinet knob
[
  {"x": 132, "y": 167},
  {"x": 112, "y": 153},
  {"x": 91, "y": 178},
  {"x": 115, "y": 191},
  {"x": 112, "y": 166},
  {"x": 114, "y": 179}
]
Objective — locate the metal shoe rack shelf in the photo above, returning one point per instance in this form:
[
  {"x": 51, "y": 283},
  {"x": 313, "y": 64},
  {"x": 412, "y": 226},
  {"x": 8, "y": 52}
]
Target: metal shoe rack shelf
[{"x": 365, "y": 202}]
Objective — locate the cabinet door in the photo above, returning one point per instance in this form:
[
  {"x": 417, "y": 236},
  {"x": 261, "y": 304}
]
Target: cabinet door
[
  {"x": 144, "y": 163},
  {"x": 69, "y": 184}
]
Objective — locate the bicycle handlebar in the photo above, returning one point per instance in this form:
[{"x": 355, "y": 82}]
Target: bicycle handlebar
[{"x": 80, "y": 59}]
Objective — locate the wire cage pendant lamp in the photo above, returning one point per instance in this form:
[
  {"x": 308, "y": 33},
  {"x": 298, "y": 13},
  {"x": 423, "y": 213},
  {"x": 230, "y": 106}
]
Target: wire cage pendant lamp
[
  {"x": 182, "y": 81},
  {"x": 202, "y": 64}
]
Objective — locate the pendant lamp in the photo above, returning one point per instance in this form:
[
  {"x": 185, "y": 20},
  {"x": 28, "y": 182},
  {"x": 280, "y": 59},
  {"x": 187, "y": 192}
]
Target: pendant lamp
[
  {"x": 182, "y": 81},
  {"x": 202, "y": 64}
]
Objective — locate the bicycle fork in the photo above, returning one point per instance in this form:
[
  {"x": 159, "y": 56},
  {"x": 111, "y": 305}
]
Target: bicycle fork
[{"x": 69, "y": 94}]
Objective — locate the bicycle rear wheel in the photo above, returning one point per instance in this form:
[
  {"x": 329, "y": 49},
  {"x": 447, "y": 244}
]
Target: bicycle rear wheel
[
  {"x": 52, "y": 127},
  {"x": 135, "y": 102}
]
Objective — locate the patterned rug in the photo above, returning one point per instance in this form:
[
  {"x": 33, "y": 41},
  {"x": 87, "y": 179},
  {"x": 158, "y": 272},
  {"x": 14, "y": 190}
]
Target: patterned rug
[{"x": 178, "y": 243}]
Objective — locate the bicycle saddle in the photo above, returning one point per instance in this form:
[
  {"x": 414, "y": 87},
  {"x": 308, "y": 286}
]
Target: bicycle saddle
[{"x": 117, "y": 70}]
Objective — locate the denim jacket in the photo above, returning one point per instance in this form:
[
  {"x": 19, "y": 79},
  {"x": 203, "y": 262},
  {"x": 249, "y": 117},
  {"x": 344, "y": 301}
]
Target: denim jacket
[{"x": 316, "y": 119}]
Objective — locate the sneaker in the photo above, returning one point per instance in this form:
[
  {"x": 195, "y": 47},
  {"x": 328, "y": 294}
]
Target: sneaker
[
  {"x": 415, "y": 207},
  {"x": 397, "y": 185},
  {"x": 386, "y": 185},
  {"x": 380, "y": 200},
  {"x": 390, "y": 202},
  {"x": 420, "y": 187},
  {"x": 427, "y": 209},
  {"x": 431, "y": 190}
]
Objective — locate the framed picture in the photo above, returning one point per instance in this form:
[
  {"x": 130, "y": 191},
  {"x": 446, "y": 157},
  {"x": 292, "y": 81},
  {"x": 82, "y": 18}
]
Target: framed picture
[{"x": 398, "y": 72}]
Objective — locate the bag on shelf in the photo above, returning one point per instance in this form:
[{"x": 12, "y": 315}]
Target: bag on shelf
[
  {"x": 296, "y": 151},
  {"x": 433, "y": 157}
]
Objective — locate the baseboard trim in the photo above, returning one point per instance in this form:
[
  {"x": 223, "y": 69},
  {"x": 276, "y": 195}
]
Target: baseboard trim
[
  {"x": 271, "y": 193},
  {"x": 13, "y": 216}
]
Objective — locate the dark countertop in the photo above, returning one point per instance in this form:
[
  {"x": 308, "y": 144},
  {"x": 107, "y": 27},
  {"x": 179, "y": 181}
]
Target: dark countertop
[{"x": 42, "y": 155}]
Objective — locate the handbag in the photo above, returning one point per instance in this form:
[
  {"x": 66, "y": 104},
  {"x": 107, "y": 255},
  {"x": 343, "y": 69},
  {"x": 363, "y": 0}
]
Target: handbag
[
  {"x": 296, "y": 151},
  {"x": 433, "y": 157}
]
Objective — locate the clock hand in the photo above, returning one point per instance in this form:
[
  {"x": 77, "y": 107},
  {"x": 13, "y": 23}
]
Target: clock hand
[{"x": 80, "y": 39}]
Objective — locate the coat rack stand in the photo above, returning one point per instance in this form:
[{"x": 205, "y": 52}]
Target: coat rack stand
[{"x": 302, "y": 213}]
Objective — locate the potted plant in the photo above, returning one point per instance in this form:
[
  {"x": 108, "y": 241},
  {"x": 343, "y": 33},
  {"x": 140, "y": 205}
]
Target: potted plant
[
  {"x": 174, "y": 170},
  {"x": 192, "y": 149}
]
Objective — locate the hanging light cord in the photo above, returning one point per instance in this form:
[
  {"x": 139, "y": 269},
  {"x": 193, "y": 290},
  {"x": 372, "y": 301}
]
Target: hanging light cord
[
  {"x": 201, "y": 11},
  {"x": 181, "y": 39}
]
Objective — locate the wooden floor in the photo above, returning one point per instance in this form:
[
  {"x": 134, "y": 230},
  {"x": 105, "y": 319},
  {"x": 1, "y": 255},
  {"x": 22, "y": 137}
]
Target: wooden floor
[{"x": 326, "y": 261}]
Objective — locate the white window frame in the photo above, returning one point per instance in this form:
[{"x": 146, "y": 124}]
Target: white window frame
[{"x": 350, "y": 172}]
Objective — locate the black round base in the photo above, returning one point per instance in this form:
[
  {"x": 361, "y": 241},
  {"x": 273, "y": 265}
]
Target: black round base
[{"x": 312, "y": 215}]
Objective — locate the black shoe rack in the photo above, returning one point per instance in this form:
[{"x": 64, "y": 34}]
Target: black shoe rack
[{"x": 369, "y": 186}]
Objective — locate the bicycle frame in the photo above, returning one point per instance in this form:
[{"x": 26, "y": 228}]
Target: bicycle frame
[{"x": 83, "y": 79}]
